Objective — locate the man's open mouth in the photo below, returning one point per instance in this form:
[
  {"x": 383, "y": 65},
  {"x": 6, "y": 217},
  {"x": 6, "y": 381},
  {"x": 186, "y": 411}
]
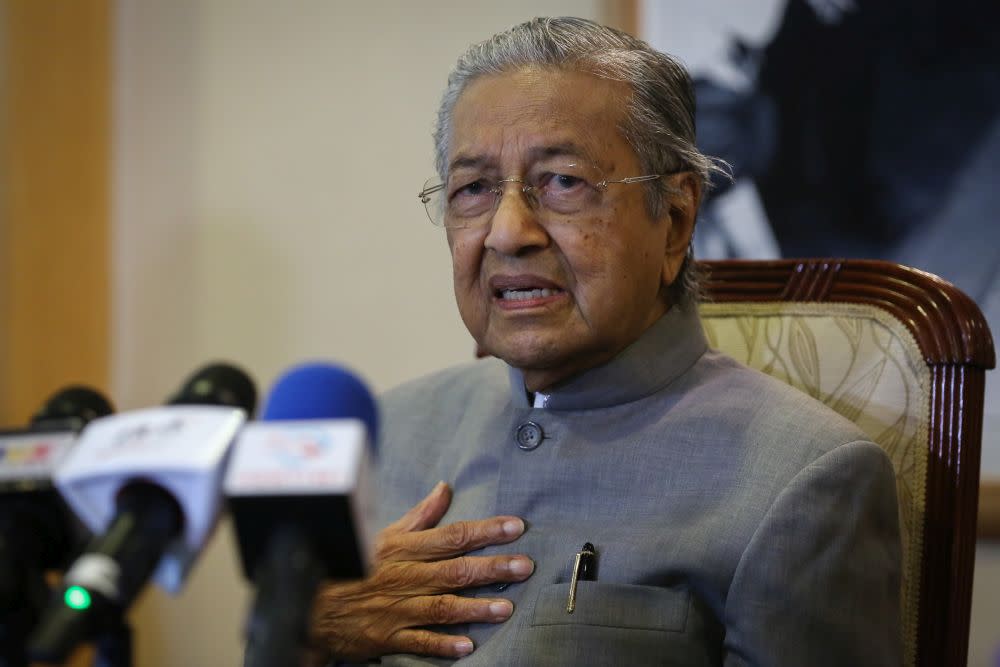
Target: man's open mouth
[{"x": 526, "y": 294}]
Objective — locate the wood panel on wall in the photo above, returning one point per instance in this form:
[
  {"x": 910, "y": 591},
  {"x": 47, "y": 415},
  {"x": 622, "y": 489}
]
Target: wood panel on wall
[
  {"x": 54, "y": 201},
  {"x": 988, "y": 525}
]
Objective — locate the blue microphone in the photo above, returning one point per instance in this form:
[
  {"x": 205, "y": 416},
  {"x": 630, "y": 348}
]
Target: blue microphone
[
  {"x": 298, "y": 491},
  {"x": 321, "y": 391}
]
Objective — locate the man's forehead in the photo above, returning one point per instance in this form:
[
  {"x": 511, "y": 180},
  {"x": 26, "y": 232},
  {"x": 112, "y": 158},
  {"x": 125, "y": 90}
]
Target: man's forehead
[
  {"x": 530, "y": 115},
  {"x": 486, "y": 157}
]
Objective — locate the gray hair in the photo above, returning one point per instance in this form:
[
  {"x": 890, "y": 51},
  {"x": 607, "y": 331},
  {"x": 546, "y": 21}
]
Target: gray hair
[{"x": 659, "y": 120}]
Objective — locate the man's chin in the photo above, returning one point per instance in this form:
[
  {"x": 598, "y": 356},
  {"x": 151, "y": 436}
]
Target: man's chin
[{"x": 526, "y": 355}]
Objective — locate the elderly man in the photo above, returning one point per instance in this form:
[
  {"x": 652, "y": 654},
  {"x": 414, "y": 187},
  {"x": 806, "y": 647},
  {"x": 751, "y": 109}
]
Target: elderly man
[{"x": 616, "y": 492}]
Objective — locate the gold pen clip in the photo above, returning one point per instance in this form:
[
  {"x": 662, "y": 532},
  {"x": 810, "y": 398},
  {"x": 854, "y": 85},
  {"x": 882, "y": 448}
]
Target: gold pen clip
[{"x": 583, "y": 570}]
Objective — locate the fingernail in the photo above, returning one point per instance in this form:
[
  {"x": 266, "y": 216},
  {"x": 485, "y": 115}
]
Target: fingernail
[
  {"x": 521, "y": 566},
  {"x": 501, "y": 609},
  {"x": 513, "y": 527},
  {"x": 438, "y": 488},
  {"x": 463, "y": 647}
]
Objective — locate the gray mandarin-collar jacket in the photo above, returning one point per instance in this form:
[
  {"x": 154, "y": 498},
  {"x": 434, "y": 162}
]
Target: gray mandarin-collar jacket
[{"x": 736, "y": 520}]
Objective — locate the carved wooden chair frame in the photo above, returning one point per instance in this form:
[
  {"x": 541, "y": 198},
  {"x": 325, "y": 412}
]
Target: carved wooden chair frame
[{"x": 955, "y": 342}]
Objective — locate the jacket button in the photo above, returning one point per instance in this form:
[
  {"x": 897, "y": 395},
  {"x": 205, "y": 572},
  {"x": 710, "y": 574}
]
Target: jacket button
[{"x": 529, "y": 435}]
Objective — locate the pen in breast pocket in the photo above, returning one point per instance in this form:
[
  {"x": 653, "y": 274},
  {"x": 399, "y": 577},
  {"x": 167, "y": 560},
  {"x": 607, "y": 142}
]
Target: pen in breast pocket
[{"x": 584, "y": 569}]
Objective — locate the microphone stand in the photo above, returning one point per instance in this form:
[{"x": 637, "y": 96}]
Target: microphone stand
[
  {"x": 287, "y": 578},
  {"x": 14, "y": 627},
  {"x": 136, "y": 551},
  {"x": 114, "y": 645},
  {"x": 23, "y": 594}
]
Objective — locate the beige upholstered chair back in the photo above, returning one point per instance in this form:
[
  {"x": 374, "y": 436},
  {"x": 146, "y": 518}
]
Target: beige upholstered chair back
[
  {"x": 855, "y": 335},
  {"x": 864, "y": 364}
]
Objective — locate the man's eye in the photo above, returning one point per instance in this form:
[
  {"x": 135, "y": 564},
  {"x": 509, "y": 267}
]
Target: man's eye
[
  {"x": 473, "y": 189},
  {"x": 561, "y": 182},
  {"x": 567, "y": 181}
]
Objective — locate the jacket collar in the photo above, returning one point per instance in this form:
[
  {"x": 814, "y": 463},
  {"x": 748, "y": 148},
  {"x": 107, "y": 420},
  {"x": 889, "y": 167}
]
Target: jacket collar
[{"x": 661, "y": 354}]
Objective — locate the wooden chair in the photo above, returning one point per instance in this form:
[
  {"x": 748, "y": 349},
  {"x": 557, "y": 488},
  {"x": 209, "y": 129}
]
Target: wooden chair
[{"x": 903, "y": 354}]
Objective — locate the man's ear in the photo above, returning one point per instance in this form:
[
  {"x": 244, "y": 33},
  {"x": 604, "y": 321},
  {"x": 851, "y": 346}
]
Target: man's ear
[{"x": 680, "y": 212}]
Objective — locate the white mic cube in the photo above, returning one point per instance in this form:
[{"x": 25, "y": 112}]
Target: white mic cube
[{"x": 181, "y": 449}]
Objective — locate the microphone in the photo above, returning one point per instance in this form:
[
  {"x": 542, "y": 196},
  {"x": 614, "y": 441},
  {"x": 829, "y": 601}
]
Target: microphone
[
  {"x": 71, "y": 409},
  {"x": 147, "y": 483},
  {"x": 37, "y": 531},
  {"x": 297, "y": 488}
]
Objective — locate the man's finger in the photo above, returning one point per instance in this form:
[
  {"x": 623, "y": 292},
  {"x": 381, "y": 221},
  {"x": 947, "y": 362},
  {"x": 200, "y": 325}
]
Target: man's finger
[
  {"x": 454, "y": 574},
  {"x": 449, "y": 609},
  {"x": 424, "y": 514},
  {"x": 454, "y": 539},
  {"x": 425, "y": 642}
]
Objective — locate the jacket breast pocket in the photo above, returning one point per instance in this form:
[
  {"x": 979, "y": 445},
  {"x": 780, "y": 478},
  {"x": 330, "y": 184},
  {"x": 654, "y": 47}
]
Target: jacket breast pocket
[{"x": 614, "y": 606}]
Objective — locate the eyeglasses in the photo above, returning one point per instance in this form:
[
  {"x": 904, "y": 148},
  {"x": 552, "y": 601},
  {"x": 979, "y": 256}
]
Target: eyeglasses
[{"x": 469, "y": 199}]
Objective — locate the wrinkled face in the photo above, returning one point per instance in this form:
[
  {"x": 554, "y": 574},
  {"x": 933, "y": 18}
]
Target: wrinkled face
[{"x": 557, "y": 294}]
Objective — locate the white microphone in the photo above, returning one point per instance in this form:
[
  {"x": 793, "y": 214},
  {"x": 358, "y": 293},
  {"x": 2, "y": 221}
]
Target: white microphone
[{"x": 148, "y": 483}]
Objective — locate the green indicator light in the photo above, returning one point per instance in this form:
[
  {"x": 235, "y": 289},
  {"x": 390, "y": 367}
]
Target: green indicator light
[{"x": 77, "y": 597}]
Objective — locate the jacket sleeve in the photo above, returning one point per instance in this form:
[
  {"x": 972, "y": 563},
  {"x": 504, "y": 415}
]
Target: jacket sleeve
[{"x": 819, "y": 582}]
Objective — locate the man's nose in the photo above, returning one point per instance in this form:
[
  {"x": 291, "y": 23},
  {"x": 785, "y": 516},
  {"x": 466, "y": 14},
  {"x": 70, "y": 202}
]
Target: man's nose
[{"x": 515, "y": 227}]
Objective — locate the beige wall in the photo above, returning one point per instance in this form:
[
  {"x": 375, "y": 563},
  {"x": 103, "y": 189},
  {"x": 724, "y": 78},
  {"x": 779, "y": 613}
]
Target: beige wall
[
  {"x": 267, "y": 160},
  {"x": 984, "y": 634}
]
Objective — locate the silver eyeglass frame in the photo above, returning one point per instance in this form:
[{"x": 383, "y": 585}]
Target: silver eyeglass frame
[{"x": 425, "y": 194}]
